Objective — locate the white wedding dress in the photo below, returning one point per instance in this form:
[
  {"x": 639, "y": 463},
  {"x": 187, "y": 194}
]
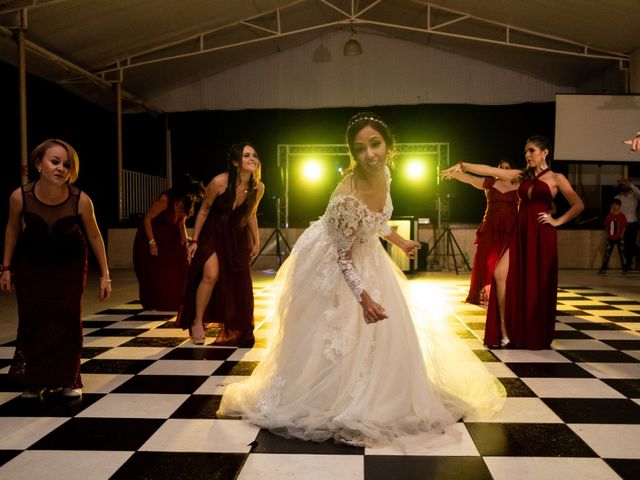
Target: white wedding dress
[{"x": 328, "y": 374}]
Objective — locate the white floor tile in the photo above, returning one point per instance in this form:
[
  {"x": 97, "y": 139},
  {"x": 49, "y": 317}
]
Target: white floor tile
[
  {"x": 522, "y": 410},
  {"x": 134, "y": 353},
  {"x": 165, "y": 332},
  {"x": 104, "y": 341},
  {"x": 560, "y": 326},
  {"x": 215, "y": 385},
  {"x": 455, "y": 442},
  {"x": 19, "y": 433},
  {"x": 571, "y": 388},
  {"x": 633, "y": 353},
  {"x": 182, "y": 367},
  {"x": 6, "y": 353},
  {"x": 198, "y": 435},
  {"x": 500, "y": 370},
  {"x": 60, "y": 464},
  {"x": 582, "y": 319},
  {"x": 549, "y": 468},
  {"x": 105, "y": 317},
  {"x": 302, "y": 467},
  {"x": 137, "y": 324},
  {"x": 248, "y": 355},
  {"x": 6, "y": 396},
  {"x": 581, "y": 344},
  {"x": 102, "y": 382},
  {"x": 612, "y": 334},
  {"x": 610, "y": 441},
  {"x": 546, "y": 356},
  {"x": 135, "y": 405},
  {"x": 612, "y": 370}
]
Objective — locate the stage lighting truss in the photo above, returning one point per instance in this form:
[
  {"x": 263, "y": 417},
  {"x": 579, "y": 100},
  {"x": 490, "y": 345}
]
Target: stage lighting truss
[{"x": 320, "y": 151}]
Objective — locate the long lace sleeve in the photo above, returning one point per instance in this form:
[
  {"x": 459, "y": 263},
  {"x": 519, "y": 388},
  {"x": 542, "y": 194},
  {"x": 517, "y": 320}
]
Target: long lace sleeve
[{"x": 344, "y": 216}]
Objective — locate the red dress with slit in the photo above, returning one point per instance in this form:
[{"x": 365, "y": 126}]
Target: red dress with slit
[
  {"x": 50, "y": 263},
  {"x": 161, "y": 278},
  {"x": 532, "y": 280},
  {"x": 491, "y": 237},
  {"x": 231, "y": 302}
]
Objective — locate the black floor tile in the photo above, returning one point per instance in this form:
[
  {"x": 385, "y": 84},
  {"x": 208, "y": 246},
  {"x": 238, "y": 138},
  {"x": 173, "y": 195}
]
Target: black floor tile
[
  {"x": 486, "y": 355},
  {"x": 621, "y": 302},
  {"x": 116, "y": 332},
  {"x": 90, "y": 352},
  {"x": 548, "y": 370},
  {"x": 380, "y": 467},
  {"x": 595, "y": 410},
  {"x": 572, "y": 313},
  {"x": 6, "y": 455},
  {"x": 199, "y": 406},
  {"x": 154, "y": 317},
  {"x": 571, "y": 335},
  {"x": 571, "y": 299},
  {"x": 99, "y": 434},
  {"x": 161, "y": 384},
  {"x": 628, "y": 469},
  {"x": 236, "y": 368},
  {"x": 209, "y": 353},
  {"x": 475, "y": 325},
  {"x": 120, "y": 311},
  {"x": 464, "y": 333},
  {"x": 623, "y": 344},
  {"x": 630, "y": 387},
  {"x": 528, "y": 439},
  {"x": 516, "y": 388},
  {"x": 154, "y": 342},
  {"x": 49, "y": 405},
  {"x": 599, "y": 307},
  {"x": 181, "y": 466},
  {"x": 130, "y": 367},
  {"x": 97, "y": 323},
  {"x": 267, "y": 442},
  {"x": 623, "y": 319},
  {"x": 595, "y": 326},
  {"x": 600, "y": 356},
  {"x": 5, "y": 362}
]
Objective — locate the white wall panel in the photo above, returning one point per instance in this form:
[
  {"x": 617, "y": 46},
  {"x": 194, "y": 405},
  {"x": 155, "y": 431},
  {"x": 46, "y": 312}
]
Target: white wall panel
[{"x": 389, "y": 72}]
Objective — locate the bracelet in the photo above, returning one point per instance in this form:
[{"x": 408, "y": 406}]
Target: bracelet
[
  {"x": 108, "y": 280},
  {"x": 193, "y": 240},
  {"x": 6, "y": 268},
  {"x": 152, "y": 241}
]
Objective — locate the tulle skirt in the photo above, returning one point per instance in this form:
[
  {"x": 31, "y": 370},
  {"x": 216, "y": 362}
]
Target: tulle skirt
[{"x": 328, "y": 374}]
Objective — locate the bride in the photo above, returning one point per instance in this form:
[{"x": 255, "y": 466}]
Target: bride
[{"x": 350, "y": 357}]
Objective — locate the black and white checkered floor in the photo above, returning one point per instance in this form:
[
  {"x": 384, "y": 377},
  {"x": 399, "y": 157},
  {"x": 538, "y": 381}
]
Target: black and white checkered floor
[{"x": 148, "y": 411}]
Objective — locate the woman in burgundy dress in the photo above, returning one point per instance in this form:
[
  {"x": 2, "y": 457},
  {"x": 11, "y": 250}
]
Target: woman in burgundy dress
[
  {"x": 160, "y": 248},
  {"x": 225, "y": 239},
  {"x": 493, "y": 232},
  {"x": 49, "y": 256},
  {"x": 522, "y": 303}
]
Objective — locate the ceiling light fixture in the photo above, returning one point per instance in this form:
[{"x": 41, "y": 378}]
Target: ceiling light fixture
[{"x": 352, "y": 48}]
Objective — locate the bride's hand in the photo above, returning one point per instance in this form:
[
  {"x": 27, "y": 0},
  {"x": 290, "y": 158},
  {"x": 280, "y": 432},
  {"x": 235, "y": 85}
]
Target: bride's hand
[
  {"x": 373, "y": 312},
  {"x": 410, "y": 248}
]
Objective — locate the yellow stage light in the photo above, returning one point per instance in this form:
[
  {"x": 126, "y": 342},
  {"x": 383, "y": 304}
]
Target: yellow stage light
[
  {"x": 312, "y": 170},
  {"x": 415, "y": 169}
]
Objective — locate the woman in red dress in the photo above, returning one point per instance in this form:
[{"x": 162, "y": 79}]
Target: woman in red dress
[
  {"x": 225, "y": 239},
  {"x": 160, "y": 248},
  {"x": 494, "y": 230},
  {"x": 51, "y": 221},
  {"x": 522, "y": 303}
]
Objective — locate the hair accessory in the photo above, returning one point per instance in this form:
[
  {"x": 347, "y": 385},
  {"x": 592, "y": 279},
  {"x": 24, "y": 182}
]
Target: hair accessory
[{"x": 360, "y": 118}]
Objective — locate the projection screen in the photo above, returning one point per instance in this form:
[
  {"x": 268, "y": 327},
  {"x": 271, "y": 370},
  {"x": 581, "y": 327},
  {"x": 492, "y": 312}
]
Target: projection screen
[{"x": 593, "y": 127}]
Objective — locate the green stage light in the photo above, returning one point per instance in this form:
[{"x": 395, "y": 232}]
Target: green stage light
[
  {"x": 415, "y": 169},
  {"x": 312, "y": 170}
]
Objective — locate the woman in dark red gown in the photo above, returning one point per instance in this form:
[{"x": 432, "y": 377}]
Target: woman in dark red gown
[
  {"x": 493, "y": 232},
  {"x": 160, "y": 247},
  {"x": 225, "y": 239},
  {"x": 49, "y": 257},
  {"x": 522, "y": 305}
]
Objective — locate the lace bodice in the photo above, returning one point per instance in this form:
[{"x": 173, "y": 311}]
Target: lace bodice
[{"x": 351, "y": 223}]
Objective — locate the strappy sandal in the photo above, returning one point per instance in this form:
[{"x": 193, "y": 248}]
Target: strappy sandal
[{"x": 199, "y": 337}]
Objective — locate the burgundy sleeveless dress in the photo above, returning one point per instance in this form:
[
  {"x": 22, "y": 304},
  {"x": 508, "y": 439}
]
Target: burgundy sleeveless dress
[
  {"x": 231, "y": 301},
  {"x": 491, "y": 238},
  {"x": 50, "y": 264},
  {"x": 161, "y": 278},
  {"x": 532, "y": 281}
]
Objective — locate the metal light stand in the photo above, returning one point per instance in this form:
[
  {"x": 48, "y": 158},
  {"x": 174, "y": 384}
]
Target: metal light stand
[
  {"x": 449, "y": 238},
  {"x": 446, "y": 233},
  {"x": 276, "y": 235}
]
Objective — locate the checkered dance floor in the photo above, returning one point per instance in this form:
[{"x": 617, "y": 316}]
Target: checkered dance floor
[{"x": 148, "y": 411}]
